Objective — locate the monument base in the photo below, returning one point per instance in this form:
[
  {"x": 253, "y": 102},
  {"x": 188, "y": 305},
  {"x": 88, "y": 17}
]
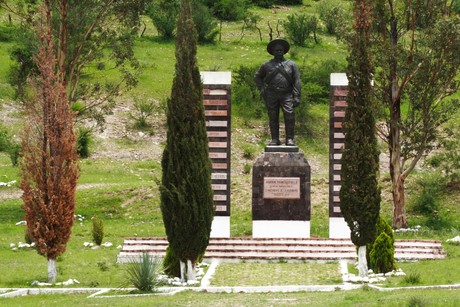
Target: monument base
[
  {"x": 220, "y": 227},
  {"x": 338, "y": 228},
  {"x": 281, "y": 229}
]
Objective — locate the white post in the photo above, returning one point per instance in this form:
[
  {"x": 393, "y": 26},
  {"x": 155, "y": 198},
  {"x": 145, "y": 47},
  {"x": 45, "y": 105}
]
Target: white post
[
  {"x": 362, "y": 261},
  {"x": 182, "y": 271},
  {"x": 52, "y": 272},
  {"x": 190, "y": 270}
]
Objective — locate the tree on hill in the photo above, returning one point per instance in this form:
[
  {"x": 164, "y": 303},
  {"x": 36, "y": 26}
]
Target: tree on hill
[
  {"x": 416, "y": 48},
  {"x": 49, "y": 165},
  {"x": 100, "y": 43},
  {"x": 186, "y": 195},
  {"x": 360, "y": 192}
]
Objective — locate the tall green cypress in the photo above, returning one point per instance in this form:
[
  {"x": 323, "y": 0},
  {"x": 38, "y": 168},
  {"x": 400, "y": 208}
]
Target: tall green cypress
[
  {"x": 360, "y": 192},
  {"x": 186, "y": 195}
]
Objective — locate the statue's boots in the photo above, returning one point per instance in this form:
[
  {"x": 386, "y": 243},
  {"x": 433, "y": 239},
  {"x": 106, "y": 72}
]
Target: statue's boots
[
  {"x": 274, "y": 128},
  {"x": 289, "y": 122}
]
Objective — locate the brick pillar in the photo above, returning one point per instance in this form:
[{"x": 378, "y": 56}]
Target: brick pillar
[
  {"x": 338, "y": 228},
  {"x": 217, "y": 105}
]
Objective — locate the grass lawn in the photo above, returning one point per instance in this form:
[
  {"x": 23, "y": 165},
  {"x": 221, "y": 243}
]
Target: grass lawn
[{"x": 124, "y": 194}]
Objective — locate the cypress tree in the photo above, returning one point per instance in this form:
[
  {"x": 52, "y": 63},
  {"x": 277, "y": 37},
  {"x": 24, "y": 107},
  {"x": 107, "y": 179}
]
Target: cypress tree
[
  {"x": 186, "y": 195},
  {"x": 360, "y": 192},
  {"x": 49, "y": 169}
]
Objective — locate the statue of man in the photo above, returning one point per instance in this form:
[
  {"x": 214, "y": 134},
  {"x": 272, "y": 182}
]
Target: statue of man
[{"x": 279, "y": 83}]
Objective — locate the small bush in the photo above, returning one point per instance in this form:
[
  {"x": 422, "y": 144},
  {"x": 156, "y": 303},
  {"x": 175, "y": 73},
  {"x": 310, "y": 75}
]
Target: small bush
[
  {"x": 300, "y": 27},
  {"x": 144, "y": 110},
  {"x": 289, "y": 2},
  {"x": 7, "y": 32},
  {"x": 248, "y": 103},
  {"x": 249, "y": 151},
  {"x": 9, "y": 145},
  {"x": 382, "y": 227},
  {"x": 98, "y": 230},
  {"x": 331, "y": 15},
  {"x": 382, "y": 254},
  {"x": 416, "y": 302},
  {"x": 164, "y": 15},
  {"x": 247, "y": 168},
  {"x": 263, "y": 3},
  {"x": 412, "y": 278},
  {"x": 447, "y": 160},
  {"x": 102, "y": 265},
  {"x": 205, "y": 23},
  {"x": 84, "y": 140},
  {"x": 144, "y": 275},
  {"x": 229, "y": 10}
]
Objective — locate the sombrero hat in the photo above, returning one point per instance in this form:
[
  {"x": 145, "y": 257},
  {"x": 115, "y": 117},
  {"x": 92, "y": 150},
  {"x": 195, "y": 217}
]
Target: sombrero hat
[{"x": 278, "y": 41}]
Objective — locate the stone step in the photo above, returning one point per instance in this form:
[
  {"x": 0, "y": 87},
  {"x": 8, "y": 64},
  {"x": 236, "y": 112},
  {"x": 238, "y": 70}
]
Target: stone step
[{"x": 258, "y": 249}]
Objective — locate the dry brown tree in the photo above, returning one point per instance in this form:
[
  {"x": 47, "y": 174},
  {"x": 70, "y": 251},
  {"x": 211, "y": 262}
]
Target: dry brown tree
[{"x": 49, "y": 165}]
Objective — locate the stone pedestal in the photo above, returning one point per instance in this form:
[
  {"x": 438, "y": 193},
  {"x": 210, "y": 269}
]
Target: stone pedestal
[{"x": 281, "y": 194}]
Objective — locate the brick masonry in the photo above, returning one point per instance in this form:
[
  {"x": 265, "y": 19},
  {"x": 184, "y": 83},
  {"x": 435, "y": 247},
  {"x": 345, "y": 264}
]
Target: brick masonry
[
  {"x": 217, "y": 105},
  {"x": 338, "y": 106}
]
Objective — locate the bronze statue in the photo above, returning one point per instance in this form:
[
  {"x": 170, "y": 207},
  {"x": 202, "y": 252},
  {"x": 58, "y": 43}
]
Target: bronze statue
[{"x": 279, "y": 83}]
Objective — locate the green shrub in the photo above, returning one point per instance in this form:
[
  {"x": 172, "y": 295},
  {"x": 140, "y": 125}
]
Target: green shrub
[
  {"x": 144, "y": 274},
  {"x": 98, "y": 230},
  {"x": 7, "y": 32},
  {"x": 416, "y": 302},
  {"x": 102, "y": 265},
  {"x": 247, "y": 168},
  {"x": 229, "y": 10},
  {"x": 263, "y": 3},
  {"x": 289, "y": 2},
  {"x": 9, "y": 145},
  {"x": 84, "y": 140},
  {"x": 144, "y": 110},
  {"x": 382, "y": 254},
  {"x": 300, "y": 28},
  {"x": 382, "y": 227},
  {"x": 248, "y": 103},
  {"x": 412, "y": 278},
  {"x": 447, "y": 160},
  {"x": 205, "y": 23},
  {"x": 426, "y": 202},
  {"x": 249, "y": 151},
  {"x": 316, "y": 77},
  {"x": 164, "y": 15},
  {"x": 331, "y": 15}
]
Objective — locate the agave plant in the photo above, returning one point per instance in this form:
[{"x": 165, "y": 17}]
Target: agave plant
[{"x": 143, "y": 273}]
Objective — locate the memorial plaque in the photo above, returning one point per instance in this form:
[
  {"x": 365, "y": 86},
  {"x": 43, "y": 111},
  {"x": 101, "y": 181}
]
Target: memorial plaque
[{"x": 281, "y": 188}]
